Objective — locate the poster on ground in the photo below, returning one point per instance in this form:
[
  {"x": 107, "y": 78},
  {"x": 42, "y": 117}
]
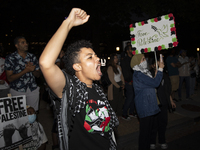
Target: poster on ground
[{"x": 14, "y": 126}]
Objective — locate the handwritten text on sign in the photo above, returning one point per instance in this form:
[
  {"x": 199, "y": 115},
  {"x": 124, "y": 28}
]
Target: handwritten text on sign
[{"x": 154, "y": 34}]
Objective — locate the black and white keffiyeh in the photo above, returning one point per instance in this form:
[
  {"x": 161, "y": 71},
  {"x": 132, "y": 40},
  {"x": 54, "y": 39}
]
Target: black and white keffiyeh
[
  {"x": 143, "y": 70},
  {"x": 74, "y": 98},
  {"x": 82, "y": 97}
]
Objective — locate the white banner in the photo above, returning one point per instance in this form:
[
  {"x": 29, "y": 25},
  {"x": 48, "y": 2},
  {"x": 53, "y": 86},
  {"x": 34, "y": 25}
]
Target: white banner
[
  {"x": 14, "y": 124},
  {"x": 154, "y": 34}
]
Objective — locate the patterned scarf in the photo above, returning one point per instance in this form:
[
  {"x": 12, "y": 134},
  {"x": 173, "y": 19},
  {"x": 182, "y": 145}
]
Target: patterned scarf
[
  {"x": 143, "y": 70},
  {"x": 82, "y": 97}
]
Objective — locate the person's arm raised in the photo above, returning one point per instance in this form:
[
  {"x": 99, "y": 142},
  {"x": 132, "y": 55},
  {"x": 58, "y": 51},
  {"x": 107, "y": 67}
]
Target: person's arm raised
[{"x": 52, "y": 73}]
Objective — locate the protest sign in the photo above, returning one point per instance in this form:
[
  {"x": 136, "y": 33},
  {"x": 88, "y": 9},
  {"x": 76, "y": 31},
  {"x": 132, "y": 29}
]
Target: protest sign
[
  {"x": 14, "y": 124},
  {"x": 153, "y": 35}
]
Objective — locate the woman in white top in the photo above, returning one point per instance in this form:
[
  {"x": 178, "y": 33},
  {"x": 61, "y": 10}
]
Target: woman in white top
[{"x": 115, "y": 90}]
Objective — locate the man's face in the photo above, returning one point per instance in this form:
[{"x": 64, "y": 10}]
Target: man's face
[
  {"x": 90, "y": 67},
  {"x": 129, "y": 51},
  {"x": 22, "y": 45}
]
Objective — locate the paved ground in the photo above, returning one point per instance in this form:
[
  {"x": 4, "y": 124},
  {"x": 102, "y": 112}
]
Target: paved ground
[{"x": 183, "y": 130}]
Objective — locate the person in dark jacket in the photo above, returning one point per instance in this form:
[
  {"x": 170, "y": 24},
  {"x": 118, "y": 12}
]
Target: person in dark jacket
[
  {"x": 145, "y": 97},
  {"x": 161, "y": 119},
  {"x": 129, "y": 91}
]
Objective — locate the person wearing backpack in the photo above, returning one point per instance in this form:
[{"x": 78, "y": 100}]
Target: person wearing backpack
[{"x": 85, "y": 117}]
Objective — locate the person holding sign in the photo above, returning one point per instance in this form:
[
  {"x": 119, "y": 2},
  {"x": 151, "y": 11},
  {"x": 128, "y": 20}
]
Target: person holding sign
[
  {"x": 21, "y": 69},
  {"x": 145, "y": 97},
  {"x": 79, "y": 100},
  {"x": 39, "y": 138},
  {"x": 166, "y": 102}
]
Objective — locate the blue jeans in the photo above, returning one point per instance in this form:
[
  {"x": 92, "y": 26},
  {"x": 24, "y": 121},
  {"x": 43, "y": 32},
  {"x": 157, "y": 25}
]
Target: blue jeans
[
  {"x": 187, "y": 84},
  {"x": 129, "y": 101}
]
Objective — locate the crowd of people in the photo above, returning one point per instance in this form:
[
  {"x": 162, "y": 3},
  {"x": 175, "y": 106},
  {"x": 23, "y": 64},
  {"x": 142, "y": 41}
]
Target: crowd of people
[{"x": 83, "y": 112}]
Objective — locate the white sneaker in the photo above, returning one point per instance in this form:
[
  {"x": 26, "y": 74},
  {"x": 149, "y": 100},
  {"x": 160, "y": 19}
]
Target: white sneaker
[
  {"x": 152, "y": 146},
  {"x": 164, "y": 146}
]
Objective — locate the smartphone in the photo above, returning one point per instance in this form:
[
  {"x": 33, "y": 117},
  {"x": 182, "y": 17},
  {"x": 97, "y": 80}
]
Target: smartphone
[{"x": 161, "y": 58}]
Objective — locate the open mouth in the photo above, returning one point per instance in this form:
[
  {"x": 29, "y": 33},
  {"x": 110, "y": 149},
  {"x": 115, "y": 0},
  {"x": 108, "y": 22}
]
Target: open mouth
[{"x": 99, "y": 69}]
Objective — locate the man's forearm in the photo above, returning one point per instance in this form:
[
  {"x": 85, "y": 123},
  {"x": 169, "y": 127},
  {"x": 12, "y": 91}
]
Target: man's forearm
[{"x": 14, "y": 77}]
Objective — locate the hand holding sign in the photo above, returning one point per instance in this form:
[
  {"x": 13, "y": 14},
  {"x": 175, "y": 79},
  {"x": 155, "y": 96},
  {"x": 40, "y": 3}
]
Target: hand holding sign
[{"x": 161, "y": 63}]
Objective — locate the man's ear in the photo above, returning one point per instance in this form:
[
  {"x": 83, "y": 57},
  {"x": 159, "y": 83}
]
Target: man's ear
[
  {"x": 77, "y": 67},
  {"x": 16, "y": 45}
]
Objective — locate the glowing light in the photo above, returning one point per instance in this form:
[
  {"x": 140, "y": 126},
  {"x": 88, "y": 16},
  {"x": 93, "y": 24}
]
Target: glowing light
[
  {"x": 117, "y": 48},
  {"x": 108, "y": 57},
  {"x": 197, "y": 49}
]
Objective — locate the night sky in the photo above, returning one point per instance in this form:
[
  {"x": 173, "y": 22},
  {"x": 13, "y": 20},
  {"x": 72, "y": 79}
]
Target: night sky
[{"x": 108, "y": 26}]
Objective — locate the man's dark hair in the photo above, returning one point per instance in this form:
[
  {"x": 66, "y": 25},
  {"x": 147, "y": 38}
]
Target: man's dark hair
[
  {"x": 72, "y": 54},
  {"x": 16, "y": 40}
]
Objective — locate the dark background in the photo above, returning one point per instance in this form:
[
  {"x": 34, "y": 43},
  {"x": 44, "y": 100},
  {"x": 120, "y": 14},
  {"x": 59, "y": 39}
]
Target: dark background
[{"x": 108, "y": 25}]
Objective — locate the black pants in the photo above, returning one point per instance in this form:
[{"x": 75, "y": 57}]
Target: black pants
[
  {"x": 146, "y": 125},
  {"x": 159, "y": 126}
]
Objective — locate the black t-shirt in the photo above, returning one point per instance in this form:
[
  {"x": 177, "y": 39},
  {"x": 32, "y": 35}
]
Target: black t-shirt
[{"x": 91, "y": 125}]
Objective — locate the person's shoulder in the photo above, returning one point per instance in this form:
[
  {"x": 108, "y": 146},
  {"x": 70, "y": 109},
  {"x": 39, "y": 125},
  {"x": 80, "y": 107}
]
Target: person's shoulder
[
  {"x": 136, "y": 72},
  {"x": 118, "y": 66},
  {"x": 109, "y": 67},
  {"x": 2, "y": 58},
  {"x": 11, "y": 54}
]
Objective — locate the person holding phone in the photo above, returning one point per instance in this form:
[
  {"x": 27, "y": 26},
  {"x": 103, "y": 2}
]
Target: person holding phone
[{"x": 145, "y": 97}]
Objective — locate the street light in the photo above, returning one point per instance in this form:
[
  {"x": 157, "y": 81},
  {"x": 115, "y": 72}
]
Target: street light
[
  {"x": 117, "y": 48},
  {"x": 197, "y": 53}
]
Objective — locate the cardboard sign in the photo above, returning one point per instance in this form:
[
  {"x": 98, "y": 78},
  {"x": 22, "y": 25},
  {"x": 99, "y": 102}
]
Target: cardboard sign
[
  {"x": 14, "y": 126},
  {"x": 153, "y": 35}
]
